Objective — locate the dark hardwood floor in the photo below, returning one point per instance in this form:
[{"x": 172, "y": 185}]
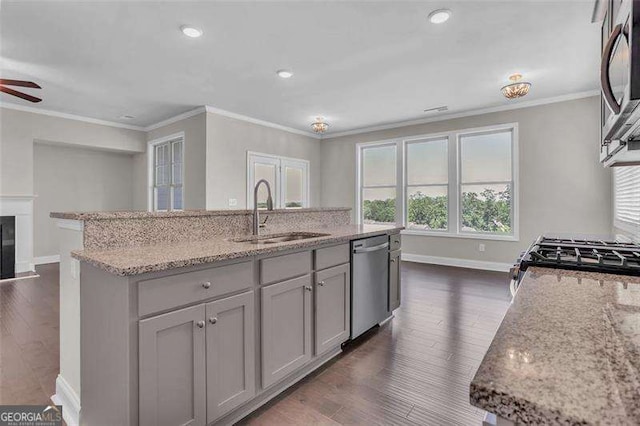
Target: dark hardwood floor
[
  {"x": 415, "y": 369},
  {"x": 29, "y": 338}
]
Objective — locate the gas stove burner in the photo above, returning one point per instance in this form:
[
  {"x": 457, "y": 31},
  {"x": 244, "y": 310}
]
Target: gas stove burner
[{"x": 615, "y": 257}]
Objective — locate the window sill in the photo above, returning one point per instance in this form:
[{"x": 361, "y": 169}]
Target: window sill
[{"x": 511, "y": 238}]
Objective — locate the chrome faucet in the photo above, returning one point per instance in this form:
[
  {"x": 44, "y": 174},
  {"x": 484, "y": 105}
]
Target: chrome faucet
[{"x": 256, "y": 222}]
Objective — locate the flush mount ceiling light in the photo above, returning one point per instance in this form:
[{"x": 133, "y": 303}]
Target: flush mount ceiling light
[
  {"x": 284, "y": 73},
  {"x": 516, "y": 89},
  {"x": 192, "y": 32},
  {"x": 319, "y": 126},
  {"x": 439, "y": 16}
]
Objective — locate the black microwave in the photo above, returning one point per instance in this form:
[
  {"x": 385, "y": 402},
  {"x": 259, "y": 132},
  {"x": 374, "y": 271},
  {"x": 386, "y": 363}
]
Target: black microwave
[{"x": 620, "y": 72}]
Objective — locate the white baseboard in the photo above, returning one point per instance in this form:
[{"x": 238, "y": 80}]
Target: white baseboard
[
  {"x": 24, "y": 267},
  {"x": 42, "y": 260},
  {"x": 69, "y": 400},
  {"x": 461, "y": 263}
]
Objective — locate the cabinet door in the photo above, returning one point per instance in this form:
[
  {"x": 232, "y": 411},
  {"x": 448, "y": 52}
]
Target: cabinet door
[
  {"x": 286, "y": 328},
  {"x": 230, "y": 354},
  {"x": 394, "y": 280},
  {"x": 172, "y": 368},
  {"x": 333, "y": 307}
]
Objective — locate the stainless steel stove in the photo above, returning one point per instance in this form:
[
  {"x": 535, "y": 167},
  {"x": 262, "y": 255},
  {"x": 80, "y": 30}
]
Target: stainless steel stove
[{"x": 607, "y": 254}]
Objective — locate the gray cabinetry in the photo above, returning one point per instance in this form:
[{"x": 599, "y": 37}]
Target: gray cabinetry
[
  {"x": 332, "y": 308},
  {"x": 172, "y": 368},
  {"x": 394, "y": 280},
  {"x": 286, "y": 328},
  {"x": 230, "y": 354}
]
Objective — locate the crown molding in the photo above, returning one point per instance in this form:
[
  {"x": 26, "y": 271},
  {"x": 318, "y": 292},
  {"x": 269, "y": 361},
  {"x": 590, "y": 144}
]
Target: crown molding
[
  {"x": 67, "y": 116},
  {"x": 469, "y": 113},
  {"x": 171, "y": 120},
  {"x": 230, "y": 114},
  {"x": 225, "y": 113}
]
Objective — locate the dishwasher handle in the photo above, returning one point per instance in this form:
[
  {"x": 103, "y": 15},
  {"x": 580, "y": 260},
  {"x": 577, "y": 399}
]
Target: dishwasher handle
[{"x": 370, "y": 249}]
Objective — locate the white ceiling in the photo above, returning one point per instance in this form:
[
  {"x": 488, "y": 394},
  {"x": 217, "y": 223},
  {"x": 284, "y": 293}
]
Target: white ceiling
[{"x": 358, "y": 64}]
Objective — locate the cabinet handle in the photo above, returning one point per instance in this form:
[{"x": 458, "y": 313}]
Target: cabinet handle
[
  {"x": 321, "y": 283},
  {"x": 206, "y": 285},
  {"x": 308, "y": 287},
  {"x": 213, "y": 320},
  {"x": 393, "y": 261},
  {"x": 200, "y": 324}
]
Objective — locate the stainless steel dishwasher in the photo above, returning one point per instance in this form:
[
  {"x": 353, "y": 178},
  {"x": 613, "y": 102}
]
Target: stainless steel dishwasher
[{"x": 369, "y": 283}]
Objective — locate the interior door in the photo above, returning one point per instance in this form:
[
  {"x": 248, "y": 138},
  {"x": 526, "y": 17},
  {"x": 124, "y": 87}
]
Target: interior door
[
  {"x": 230, "y": 354},
  {"x": 172, "y": 368}
]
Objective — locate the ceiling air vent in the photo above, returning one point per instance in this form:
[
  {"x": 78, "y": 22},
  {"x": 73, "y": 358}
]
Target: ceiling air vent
[{"x": 437, "y": 109}]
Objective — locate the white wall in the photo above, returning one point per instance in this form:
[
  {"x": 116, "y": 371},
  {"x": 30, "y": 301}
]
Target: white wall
[
  {"x": 194, "y": 129},
  {"x": 228, "y": 141},
  {"x": 70, "y": 178},
  {"x": 19, "y": 130},
  {"x": 563, "y": 188}
]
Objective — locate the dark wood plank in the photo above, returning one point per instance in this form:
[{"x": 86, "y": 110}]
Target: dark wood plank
[{"x": 29, "y": 338}]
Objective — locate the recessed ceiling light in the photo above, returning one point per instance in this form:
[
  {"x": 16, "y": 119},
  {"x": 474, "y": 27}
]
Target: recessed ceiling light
[
  {"x": 439, "y": 16},
  {"x": 192, "y": 32},
  {"x": 127, "y": 117},
  {"x": 284, "y": 73}
]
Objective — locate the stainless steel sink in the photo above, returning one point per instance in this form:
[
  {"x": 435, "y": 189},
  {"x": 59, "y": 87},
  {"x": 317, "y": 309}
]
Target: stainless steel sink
[{"x": 279, "y": 238}]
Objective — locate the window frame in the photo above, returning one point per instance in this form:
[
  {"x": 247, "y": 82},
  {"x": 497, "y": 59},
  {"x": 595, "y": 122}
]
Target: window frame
[
  {"x": 278, "y": 193},
  {"x": 359, "y": 170},
  {"x": 405, "y": 181},
  {"x": 454, "y": 217},
  {"x": 152, "y": 145}
]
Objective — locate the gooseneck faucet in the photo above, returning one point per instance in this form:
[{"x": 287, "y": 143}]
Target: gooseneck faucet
[{"x": 256, "y": 222}]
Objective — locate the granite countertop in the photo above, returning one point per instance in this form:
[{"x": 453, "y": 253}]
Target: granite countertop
[
  {"x": 142, "y": 214},
  {"x": 140, "y": 260},
  {"x": 567, "y": 352}
]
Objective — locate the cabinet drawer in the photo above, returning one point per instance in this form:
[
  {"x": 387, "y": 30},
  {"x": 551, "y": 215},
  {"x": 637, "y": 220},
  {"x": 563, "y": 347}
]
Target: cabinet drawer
[
  {"x": 394, "y": 242},
  {"x": 283, "y": 267},
  {"x": 177, "y": 290},
  {"x": 331, "y": 256}
]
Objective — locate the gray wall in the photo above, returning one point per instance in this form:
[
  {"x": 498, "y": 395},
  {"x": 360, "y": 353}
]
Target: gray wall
[
  {"x": 563, "y": 188},
  {"x": 194, "y": 129},
  {"x": 19, "y": 130},
  {"x": 228, "y": 141},
  {"x": 76, "y": 179}
]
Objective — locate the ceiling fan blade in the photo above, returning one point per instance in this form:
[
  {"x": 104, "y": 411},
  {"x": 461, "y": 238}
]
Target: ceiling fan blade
[
  {"x": 19, "y": 94},
  {"x": 21, "y": 83}
]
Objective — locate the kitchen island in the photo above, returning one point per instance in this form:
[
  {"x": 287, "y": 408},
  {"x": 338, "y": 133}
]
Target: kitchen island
[
  {"x": 567, "y": 352},
  {"x": 204, "y": 331}
]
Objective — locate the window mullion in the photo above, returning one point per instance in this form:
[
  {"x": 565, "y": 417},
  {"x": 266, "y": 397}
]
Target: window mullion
[{"x": 454, "y": 193}]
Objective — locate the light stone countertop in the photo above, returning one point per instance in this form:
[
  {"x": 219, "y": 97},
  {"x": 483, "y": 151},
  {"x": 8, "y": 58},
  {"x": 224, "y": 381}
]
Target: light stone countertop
[
  {"x": 567, "y": 352},
  {"x": 139, "y": 260},
  {"x": 143, "y": 214}
]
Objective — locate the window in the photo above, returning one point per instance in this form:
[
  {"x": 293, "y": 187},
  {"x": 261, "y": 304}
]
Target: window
[
  {"x": 626, "y": 198},
  {"x": 287, "y": 177},
  {"x": 378, "y": 189},
  {"x": 427, "y": 184},
  {"x": 486, "y": 171},
  {"x": 166, "y": 173},
  {"x": 457, "y": 184}
]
